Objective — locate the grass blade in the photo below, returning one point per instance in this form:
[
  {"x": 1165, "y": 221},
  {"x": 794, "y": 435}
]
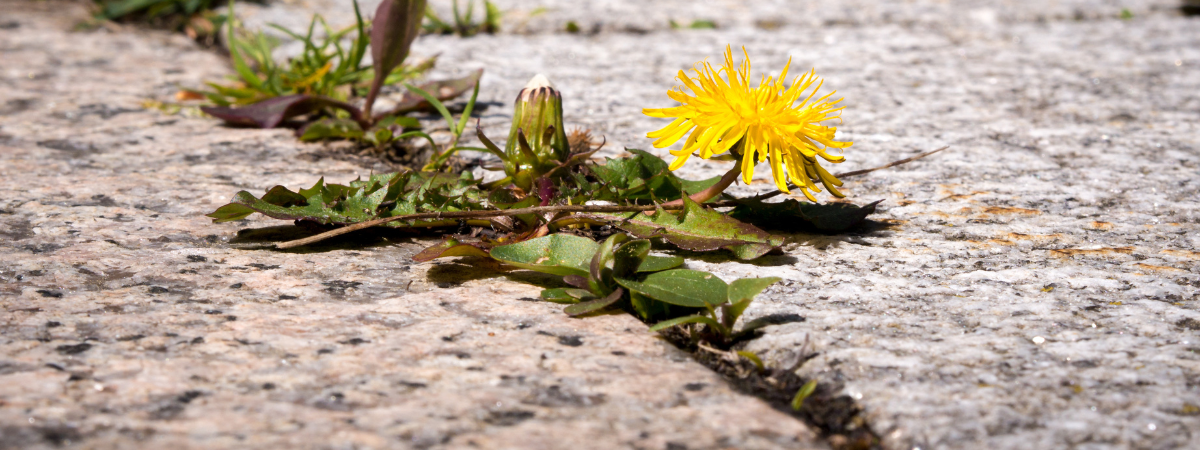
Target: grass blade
[
  {"x": 466, "y": 115},
  {"x": 686, "y": 319},
  {"x": 441, "y": 108}
]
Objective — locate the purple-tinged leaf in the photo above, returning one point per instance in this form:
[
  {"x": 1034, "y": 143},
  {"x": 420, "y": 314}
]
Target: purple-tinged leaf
[
  {"x": 451, "y": 247},
  {"x": 566, "y": 295},
  {"x": 545, "y": 190},
  {"x": 576, "y": 281},
  {"x": 271, "y": 112},
  {"x": 791, "y": 215},
  {"x": 593, "y": 306},
  {"x": 393, "y": 30}
]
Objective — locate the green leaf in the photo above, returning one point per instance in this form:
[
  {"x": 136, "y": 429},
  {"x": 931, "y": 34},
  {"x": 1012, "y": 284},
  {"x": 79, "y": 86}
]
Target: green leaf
[
  {"x": 232, "y": 212},
  {"x": 802, "y": 394},
  {"x": 747, "y": 288},
  {"x": 593, "y": 306},
  {"x": 358, "y": 48},
  {"x": 239, "y": 65},
  {"x": 698, "y": 229},
  {"x": 648, "y": 308},
  {"x": 643, "y": 177},
  {"x": 383, "y": 195},
  {"x": 332, "y": 128},
  {"x": 686, "y": 319},
  {"x": 659, "y": 263},
  {"x": 628, "y": 258},
  {"x": 794, "y": 215},
  {"x": 599, "y": 276},
  {"x": 753, "y": 358},
  {"x": 247, "y": 200},
  {"x": 741, "y": 293},
  {"x": 565, "y": 295},
  {"x": 683, "y": 287},
  {"x": 559, "y": 254},
  {"x": 450, "y": 247}
]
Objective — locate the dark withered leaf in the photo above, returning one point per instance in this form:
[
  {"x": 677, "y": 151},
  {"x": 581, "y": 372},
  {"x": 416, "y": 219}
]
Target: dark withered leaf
[
  {"x": 795, "y": 215},
  {"x": 683, "y": 287},
  {"x": 271, "y": 112}
]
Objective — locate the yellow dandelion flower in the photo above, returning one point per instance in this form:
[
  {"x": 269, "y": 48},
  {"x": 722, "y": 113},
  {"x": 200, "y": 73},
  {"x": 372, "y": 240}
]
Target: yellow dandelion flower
[{"x": 767, "y": 121}]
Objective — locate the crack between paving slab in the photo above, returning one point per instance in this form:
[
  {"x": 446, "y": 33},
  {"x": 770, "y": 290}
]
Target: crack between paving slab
[{"x": 837, "y": 417}]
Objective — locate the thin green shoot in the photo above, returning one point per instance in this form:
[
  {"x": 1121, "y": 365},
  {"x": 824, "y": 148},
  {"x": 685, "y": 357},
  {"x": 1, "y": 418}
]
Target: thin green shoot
[
  {"x": 802, "y": 394},
  {"x": 758, "y": 362},
  {"x": 456, "y": 128}
]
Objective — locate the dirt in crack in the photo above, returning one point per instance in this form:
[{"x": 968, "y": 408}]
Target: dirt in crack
[{"x": 838, "y": 418}]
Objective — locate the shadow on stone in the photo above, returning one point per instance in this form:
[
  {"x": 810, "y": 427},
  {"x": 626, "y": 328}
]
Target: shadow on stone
[
  {"x": 835, "y": 414},
  {"x": 868, "y": 227},
  {"x": 359, "y": 240},
  {"x": 454, "y": 273},
  {"x": 772, "y": 259},
  {"x": 803, "y": 235}
]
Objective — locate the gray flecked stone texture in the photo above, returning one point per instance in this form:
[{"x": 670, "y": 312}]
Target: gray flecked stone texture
[
  {"x": 625, "y": 16},
  {"x": 128, "y": 320},
  {"x": 1033, "y": 287}
]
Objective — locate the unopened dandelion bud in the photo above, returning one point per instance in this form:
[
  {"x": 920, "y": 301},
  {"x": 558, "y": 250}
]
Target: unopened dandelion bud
[{"x": 538, "y": 116}]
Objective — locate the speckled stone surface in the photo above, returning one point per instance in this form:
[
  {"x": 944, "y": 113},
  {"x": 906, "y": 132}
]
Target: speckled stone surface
[
  {"x": 630, "y": 16},
  {"x": 1033, "y": 287},
  {"x": 128, "y": 321}
]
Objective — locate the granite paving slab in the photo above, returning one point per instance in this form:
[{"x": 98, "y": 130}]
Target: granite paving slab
[
  {"x": 129, "y": 320},
  {"x": 630, "y": 16},
  {"x": 1034, "y": 286}
]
